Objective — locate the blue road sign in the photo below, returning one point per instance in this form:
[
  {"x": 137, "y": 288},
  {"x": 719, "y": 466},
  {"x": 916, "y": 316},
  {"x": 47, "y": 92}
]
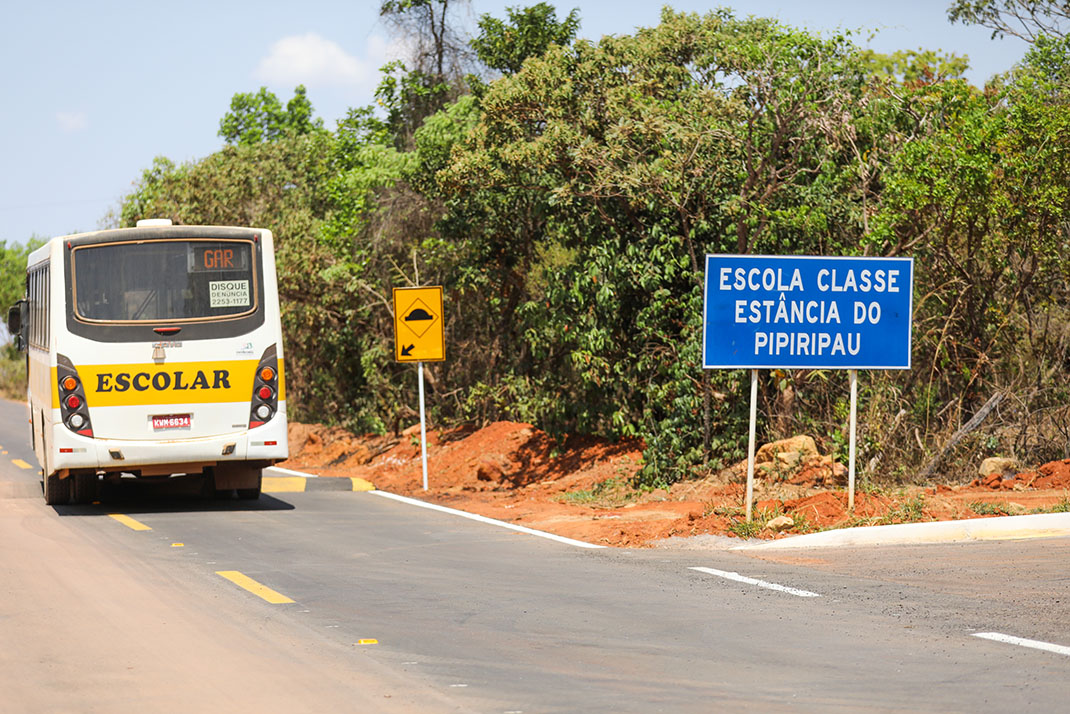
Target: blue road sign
[{"x": 813, "y": 312}]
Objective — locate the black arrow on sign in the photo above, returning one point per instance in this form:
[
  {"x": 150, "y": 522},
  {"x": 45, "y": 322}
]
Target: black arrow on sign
[{"x": 407, "y": 351}]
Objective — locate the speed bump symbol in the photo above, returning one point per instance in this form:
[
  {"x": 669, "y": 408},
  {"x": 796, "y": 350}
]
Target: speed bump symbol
[{"x": 419, "y": 319}]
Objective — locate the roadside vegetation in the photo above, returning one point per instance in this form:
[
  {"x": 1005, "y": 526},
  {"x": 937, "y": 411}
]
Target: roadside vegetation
[
  {"x": 564, "y": 191},
  {"x": 12, "y": 286}
]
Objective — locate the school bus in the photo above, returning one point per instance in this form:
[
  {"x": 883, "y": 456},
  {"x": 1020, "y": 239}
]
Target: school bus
[{"x": 153, "y": 351}]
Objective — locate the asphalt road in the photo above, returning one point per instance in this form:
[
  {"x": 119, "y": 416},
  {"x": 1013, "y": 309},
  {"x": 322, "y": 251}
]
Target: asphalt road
[{"x": 352, "y": 601}]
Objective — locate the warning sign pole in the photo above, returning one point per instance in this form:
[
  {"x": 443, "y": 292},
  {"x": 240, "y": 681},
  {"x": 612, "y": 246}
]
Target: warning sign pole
[
  {"x": 423, "y": 421},
  {"x": 419, "y": 337}
]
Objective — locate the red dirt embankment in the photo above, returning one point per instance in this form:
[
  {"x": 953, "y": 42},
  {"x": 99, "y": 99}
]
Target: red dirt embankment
[{"x": 579, "y": 488}]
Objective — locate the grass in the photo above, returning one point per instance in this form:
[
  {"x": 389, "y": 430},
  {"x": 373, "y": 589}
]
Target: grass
[
  {"x": 802, "y": 524},
  {"x": 910, "y": 511},
  {"x": 983, "y": 508},
  {"x": 723, "y": 511},
  {"x": 867, "y": 487},
  {"x": 611, "y": 493},
  {"x": 1062, "y": 506},
  {"x": 743, "y": 529}
]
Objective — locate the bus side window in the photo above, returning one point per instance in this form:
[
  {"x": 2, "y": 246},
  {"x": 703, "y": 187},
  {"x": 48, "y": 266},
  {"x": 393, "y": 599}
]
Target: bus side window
[
  {"x": 46, "y": 299},
  {"x": 31, "y": 295},
  {"x": 37, "y": 308},
  {"x": 37, "y": 327},
  {"x": 37, "y": 285}
]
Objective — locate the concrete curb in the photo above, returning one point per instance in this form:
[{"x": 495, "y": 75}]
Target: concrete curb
[
  {"x": 1043, "y": 525},
  {"x": 298, "y": 482}
]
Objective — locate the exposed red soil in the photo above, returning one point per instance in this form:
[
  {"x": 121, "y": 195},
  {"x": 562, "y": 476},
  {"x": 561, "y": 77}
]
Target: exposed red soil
[{"x": 579, "y": 488}]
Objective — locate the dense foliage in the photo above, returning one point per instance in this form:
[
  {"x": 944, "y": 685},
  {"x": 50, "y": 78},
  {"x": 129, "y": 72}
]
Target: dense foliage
[{"x": 565, "y": 198}]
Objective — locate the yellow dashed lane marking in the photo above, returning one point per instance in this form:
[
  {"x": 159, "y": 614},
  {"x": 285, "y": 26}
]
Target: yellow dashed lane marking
[
  {"x": 261, "y": 591},
  {"x": 360, "y": 484},
  {"x": 21, "y": 464},
  {"x": 130, "y": 522}
]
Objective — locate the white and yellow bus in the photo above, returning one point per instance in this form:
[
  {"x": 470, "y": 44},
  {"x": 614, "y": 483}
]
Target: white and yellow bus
[{"x": 154, "y": 351}]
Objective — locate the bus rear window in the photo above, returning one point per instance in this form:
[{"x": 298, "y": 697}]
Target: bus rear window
[{"x": 167, "y": 280}]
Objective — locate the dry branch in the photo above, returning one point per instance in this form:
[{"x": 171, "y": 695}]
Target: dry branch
[{"x": 958, "y": 436}]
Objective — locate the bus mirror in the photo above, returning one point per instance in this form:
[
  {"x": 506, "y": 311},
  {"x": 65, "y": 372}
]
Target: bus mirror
[
  {"x": 14, "y": 319},
  {"x": 16, "y": 322}
]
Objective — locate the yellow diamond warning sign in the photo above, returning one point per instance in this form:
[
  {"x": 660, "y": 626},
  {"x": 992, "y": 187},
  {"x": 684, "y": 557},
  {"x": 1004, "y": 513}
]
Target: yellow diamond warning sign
[{"x": 418, "y": 330}]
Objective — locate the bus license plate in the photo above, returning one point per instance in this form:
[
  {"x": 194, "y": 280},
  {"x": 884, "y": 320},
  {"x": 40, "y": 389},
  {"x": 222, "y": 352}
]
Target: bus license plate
[{"x": 171, "y": 421}]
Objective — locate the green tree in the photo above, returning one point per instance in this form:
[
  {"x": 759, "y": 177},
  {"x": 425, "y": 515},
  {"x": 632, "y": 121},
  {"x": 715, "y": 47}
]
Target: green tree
[
  {"x": 599, "y": 176},
  {"x": 432, "y": 75},
  {"x": 979, "y": 197},
  {"x": 254, "y": 118},
  {"x": 567, "y": 207},
  {"x": 1025, "y": 19},
  {"x": 13, "y": 271},
  {"x": 529, "y": 32},
  {"x": 914, "y": 66}
]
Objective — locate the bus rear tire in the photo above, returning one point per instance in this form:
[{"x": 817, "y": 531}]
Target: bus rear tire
[
  {"x": 208, "y": 489},
  {"x": 57, "y": 490},
  {"x": 83, "y": 488},
  {"x": 244, "y": 476},
  {"x": 251, "y": 494}
]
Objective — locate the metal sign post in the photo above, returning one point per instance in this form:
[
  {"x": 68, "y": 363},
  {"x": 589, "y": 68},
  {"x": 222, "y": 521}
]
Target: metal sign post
[
  {"x": 751, "y": 440},
  {"x": 853, "y": 375},
  {"x": 806, "y": 312},
  {"x": 419, "y": 337},
  {"x": 423, "y": 421}
]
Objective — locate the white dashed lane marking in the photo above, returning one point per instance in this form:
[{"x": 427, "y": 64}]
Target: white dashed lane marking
[
  {"x": 1022, "y": 642},
  {"x": 759, "y": 583}
]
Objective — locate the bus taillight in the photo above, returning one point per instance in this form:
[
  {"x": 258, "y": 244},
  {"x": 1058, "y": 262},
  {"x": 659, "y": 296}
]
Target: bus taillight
[
  {"x": 73, "y": 408},
  {"x": 265, "y": 401}
]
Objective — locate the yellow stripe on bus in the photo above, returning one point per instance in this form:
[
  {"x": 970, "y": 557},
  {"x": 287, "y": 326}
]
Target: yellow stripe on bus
[{"x": 120, "y": 385}]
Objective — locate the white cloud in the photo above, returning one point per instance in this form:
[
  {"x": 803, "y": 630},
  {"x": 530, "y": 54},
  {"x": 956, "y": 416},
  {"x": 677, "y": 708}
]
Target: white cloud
[
  {"x": 379, "y": 51},
  {"x": 70, "y": 122},
  {"x": 315, "y": 61}
]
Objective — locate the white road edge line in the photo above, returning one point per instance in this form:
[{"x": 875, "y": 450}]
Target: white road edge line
[
  {"x": 483, "y": 519},
  {"x": 760, "y": 583},
  {"x": 291, "y": 473},
  {"x": 1022, "y": 642}
]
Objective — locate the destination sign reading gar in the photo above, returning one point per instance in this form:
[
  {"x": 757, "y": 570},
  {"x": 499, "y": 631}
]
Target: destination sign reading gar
[{"x": 807, "y": 312}]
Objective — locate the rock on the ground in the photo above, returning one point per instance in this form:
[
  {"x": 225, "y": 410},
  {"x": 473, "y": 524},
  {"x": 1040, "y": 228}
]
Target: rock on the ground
[
  {"x": 780, "y": 523},
  {"x": 803, "y": 445},
  {"x": 997, "y": 465}
]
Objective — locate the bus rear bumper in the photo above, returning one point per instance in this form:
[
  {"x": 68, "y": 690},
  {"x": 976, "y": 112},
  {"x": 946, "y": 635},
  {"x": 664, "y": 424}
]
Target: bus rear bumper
[{"x": 266, "y": 443}]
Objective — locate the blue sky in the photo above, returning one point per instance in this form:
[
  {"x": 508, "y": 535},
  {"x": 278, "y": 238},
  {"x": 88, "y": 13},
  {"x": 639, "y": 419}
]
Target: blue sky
[{"x": 93, "y": 91}]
